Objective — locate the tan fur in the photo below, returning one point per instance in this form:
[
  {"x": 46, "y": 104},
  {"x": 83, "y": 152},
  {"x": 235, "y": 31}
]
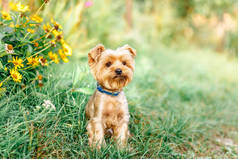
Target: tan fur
[{"x": 105, "y": 112}]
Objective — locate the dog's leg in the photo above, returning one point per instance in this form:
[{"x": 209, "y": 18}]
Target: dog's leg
[
  {"x": 95, "y": 133},
  {"x": 121, "y": 134}
]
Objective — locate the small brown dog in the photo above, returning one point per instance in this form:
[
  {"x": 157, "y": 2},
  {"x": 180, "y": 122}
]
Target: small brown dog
[{"x": 107, "y": 108}]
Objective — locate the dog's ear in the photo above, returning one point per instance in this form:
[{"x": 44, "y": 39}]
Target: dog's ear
[
  {"x": 95, "y": 53},
  {"x": 130, "y": 49}
]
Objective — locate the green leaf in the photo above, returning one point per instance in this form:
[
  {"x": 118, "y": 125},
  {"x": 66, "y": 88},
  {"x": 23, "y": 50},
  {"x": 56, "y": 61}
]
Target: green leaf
[
  {"x": 1, "y": 66},
  {"x": 38, "y": 94},
  {"x": 3, "y": 53},
  {"x": 8, "y": 30},
  {"x": 29, "y": 49},
  {"x": 1, "y": 36},
  {"x": 2, "y": 91},
  {"x": 87, "y": 91}
]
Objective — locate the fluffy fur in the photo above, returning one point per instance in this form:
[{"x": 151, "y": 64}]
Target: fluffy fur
[{"x": 109, "y": 113}]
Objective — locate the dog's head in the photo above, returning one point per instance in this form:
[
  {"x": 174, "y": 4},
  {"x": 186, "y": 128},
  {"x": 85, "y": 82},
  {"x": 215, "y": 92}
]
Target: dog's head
[{"x": 113, "y": 69}]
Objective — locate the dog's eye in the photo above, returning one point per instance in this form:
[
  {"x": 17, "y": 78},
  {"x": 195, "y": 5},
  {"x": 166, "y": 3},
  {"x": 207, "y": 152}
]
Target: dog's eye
[
  {"x": 124, "y": 62},
  {"x": 108, "y": 64}
]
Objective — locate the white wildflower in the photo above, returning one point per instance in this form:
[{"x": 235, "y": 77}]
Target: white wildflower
[
  {"x": 9, "y": 48},
  {"x": 48, "y": 105}
]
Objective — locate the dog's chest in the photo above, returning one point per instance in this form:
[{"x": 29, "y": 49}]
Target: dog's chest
[{"x": 114, "y": 111}]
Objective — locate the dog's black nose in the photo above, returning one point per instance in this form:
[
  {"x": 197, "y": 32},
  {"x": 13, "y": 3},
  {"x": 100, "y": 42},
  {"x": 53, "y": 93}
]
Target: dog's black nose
[{"x": 118, "y": 71}]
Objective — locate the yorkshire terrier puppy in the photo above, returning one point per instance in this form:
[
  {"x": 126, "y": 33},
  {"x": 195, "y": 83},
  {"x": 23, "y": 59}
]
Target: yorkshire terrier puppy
[{"x": 107, "y": 108}]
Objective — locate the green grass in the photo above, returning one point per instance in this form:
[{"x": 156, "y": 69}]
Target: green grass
[{"x": 182, "y": 105}]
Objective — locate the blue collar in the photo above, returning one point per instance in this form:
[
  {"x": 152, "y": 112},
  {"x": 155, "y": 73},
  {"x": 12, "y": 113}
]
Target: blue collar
[{"x": 100, "y": 89}]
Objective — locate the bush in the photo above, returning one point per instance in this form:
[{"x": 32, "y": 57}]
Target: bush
[{"x": 27, "y": 47}]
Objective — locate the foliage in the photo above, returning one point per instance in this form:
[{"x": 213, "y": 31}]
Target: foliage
[
  {"x": 218, "y": 7},
  {"x": 175, "y": 112},
  {"x": 199, "y": 23},
  {"x": 183, "y": 104},
  {"x": 87, "y": 23},
  {"x": 28, "y": 46}
]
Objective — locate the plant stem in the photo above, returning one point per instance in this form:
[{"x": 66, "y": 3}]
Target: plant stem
[
  {"x": 41, "y": 51},
  {"x": 6, "y": 78},
  {"x": 40, "y": 8}
]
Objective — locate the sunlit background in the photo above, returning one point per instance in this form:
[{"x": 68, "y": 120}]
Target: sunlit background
[
  {"x": 182, "y": 100},
  {"x": 200, "y": 23},
  {"x": 182, "y": 24}
]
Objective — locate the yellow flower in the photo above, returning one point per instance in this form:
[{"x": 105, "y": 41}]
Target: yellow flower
[
  {"x": 11, "y": 25},
  {"x": 17, "y": 62},
  {"x": 6, "y": 15},
  {"x": 53, "y": 43},
  {"x": 63, "y": 56},
  {"x": 30, "y": 30},
  {"x": 67, "y": 49},
  {"x": 36, "y": 44},
  {"x": 43, "y": 61},
  {"x": 40, "y": 77},
  {"x": 32, "y": 25},
  {"x": 13, "y": 6},
  {"x": 34, "y": 61},
  {"x": 53, "y": 57},
  {"x": 58, "y": 35},
  {"x": 5, "y": 68},
  {"x": 47, "y": 27},
  {"x": 19, "y": 7},
  {"x": 57, "y": 26},
  {"x": 62, "y": 41},
  {"x": 16, "y": 76},
  {"x": 37, "y": 19},
  {"x": 0, "y": 84}
]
